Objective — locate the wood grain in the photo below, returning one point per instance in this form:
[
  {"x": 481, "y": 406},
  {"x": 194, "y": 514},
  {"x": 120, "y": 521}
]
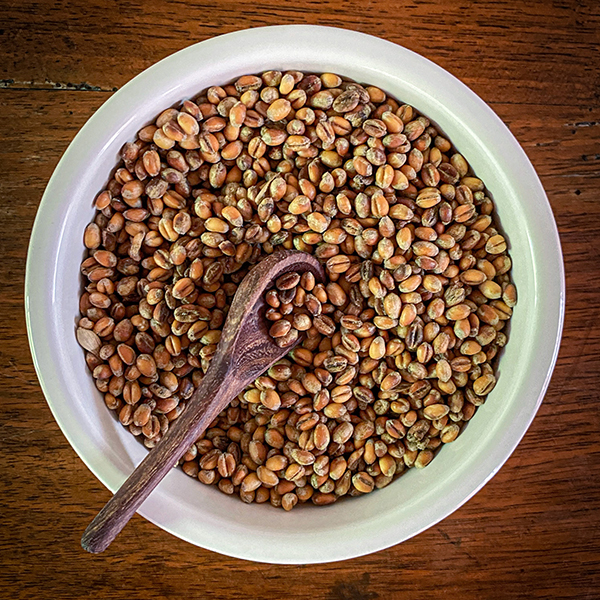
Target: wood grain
[{"x": 532, "y": 532}]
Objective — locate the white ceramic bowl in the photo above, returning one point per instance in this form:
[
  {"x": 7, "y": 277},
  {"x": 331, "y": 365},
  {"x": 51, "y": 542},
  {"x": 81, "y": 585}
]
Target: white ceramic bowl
[{"x": 200, "y": 514}]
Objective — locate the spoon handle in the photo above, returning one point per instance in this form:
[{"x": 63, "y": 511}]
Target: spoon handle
[{"x": 212, "y": 395}]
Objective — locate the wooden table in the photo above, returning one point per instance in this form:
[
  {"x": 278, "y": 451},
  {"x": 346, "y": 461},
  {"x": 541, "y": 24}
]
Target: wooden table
[{"x": 533, "y": 531}]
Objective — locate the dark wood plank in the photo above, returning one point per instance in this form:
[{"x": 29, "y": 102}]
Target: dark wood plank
[
  {"x": 532, "y": 531},
  {"x": 497, "y": 46}
]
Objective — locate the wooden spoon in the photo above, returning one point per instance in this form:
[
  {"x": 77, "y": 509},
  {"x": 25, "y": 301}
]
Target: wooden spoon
[{"x": 246, "y": 350}]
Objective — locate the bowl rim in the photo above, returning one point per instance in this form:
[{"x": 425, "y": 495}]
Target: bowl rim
[{"x": 36, "y": 260}]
